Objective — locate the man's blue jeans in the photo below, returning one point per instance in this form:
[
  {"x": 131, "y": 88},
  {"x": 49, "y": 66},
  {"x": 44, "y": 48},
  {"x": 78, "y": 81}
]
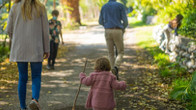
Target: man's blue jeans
[{"x": 36, "y": 69}]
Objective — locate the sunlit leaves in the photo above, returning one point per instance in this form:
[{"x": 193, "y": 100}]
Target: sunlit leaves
[{"x": 185, "y": 90}]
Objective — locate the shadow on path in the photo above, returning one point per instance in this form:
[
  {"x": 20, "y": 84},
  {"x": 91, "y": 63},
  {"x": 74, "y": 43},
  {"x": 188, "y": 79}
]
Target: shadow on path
[{"x": 59, "y": 86}]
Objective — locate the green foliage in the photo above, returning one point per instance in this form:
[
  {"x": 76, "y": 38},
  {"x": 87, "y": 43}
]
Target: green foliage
[
  {"x": 84, "y": 6},
  {"x": 180, "y": 87},
  {"x": 166, "y": 67},
  {"x": 165, "y": 72},
  {"x": 4, "y": 52},
  {"x": 133, "y": 22},
  {"x": 72, "y": 26},
  {"x": 3, "y": 17},
  {"x": 162, "y": 61},
  {"x": 183, "y": 86},
  {"x": 187, "y": 9},
  {"x": 185, "y": 90},
  {"x": 161, "y": 57},
  {"x": 166, "y": 10},
  {"x": 148, "y": 11},
  {"x": 193, "y": 103},
  {"x": 100, "y": 3},
  {"x": 143, "y": 7},
  {"x": 189, "y": 25}
]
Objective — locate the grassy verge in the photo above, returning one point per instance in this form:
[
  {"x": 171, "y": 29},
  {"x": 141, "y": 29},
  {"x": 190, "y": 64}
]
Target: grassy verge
[
  {"x": 133, "y": 22},
  {"x": 182, "y": 84},
  {"x": 4, "y": 52}
]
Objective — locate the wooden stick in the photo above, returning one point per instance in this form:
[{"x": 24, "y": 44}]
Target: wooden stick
[{"x": 73, "y": 108}]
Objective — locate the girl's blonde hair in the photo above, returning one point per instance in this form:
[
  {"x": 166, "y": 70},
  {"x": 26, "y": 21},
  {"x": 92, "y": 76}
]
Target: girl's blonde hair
[
  {"x": 102, "y": 64},
  {"x": 27, "y": 7}
]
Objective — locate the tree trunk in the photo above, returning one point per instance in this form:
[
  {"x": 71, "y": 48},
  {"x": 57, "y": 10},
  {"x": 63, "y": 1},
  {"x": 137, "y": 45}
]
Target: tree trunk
[
  {"x": 54, "y": 4},
  {"x": 9, "y": 5},
  {"x": 45, "y": 1},
  {"x": 73, "y": 10}
]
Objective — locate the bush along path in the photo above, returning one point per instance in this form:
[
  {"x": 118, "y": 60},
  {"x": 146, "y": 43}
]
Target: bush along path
[
  {"x": 146, "y": 89},
  {"x": 161, "y": 81}
]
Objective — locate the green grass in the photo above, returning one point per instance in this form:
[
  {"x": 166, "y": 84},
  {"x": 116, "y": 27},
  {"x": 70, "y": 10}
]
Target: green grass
[
  {"x": 133, "y": 22},
  {"x": 180, "y": 79},
  {"x": 160, "y": 59}
]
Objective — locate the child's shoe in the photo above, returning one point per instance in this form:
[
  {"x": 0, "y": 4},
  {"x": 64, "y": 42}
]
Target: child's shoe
[
  {"x": 34, "y": 105},
  {"x": 48, "y": 67}
]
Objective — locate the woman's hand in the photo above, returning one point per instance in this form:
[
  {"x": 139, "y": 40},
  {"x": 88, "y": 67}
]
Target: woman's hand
[{"x": 46, "y": 55}]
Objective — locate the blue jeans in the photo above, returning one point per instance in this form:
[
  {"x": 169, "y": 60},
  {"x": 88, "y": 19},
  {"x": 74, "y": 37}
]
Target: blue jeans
[{"x": 36, "y": 69}]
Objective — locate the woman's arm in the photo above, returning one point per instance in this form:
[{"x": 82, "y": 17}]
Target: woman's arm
[
  {"x": 60, "y": 31},
  {"x": 9, "y": 28},
  {"x": 45, "y": 32}
]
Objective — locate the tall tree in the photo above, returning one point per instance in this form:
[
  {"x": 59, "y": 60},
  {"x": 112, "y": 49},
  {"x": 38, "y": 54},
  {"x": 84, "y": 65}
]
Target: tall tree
[
  {"x": 3, "y": 3},
  {"x": 73, "y": 10},
  {"x": 54, "y": 4},
  {"x": 45, "y": 1}
]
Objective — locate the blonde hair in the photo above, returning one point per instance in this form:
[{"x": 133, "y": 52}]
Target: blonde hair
[
  {"x": 27, "y": 7},
  {"x": 102, "y": 64}
]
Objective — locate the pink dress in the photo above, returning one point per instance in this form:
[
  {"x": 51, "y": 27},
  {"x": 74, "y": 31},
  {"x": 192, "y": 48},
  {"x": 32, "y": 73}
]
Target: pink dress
[{"x": 101, "y": 93}]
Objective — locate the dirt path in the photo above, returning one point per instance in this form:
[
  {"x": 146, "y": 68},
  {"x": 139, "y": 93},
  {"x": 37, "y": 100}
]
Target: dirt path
[{"x": 60, "y": 86}]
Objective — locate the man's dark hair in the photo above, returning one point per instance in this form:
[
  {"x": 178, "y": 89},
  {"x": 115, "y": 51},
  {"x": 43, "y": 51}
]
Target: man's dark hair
[{"x": 55, "y": 12}]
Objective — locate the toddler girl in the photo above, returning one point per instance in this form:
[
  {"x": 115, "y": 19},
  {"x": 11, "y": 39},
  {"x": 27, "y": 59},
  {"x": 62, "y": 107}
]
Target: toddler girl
[{"x": 102, "y": 82}]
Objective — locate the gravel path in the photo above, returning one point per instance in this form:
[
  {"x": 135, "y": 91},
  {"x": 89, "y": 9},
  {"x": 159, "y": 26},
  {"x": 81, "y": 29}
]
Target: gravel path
[{"x": 60, "y": 85}]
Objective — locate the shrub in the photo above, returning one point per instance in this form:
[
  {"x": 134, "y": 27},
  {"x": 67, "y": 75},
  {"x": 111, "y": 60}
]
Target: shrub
[
  {"x": 167, "y": 10},
  {"x": 189, "y": 25},
  {"x": 4, "y": 52},
  {"x": 185, "y": 90}
]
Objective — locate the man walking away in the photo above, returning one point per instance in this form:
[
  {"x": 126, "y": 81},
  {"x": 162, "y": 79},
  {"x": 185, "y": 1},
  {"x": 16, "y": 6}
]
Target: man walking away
[{"x": 113, "y": 18}]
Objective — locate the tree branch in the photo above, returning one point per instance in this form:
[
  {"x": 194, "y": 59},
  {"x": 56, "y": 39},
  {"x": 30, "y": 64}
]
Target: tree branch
[
  {"x": 45, "y": 1},
  {"x": 2, "y": 5}
]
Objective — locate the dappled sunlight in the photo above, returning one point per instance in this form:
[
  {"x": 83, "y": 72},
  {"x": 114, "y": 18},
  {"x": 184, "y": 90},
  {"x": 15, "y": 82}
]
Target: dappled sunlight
[
  {"x": 55, "y": 102},
  {"x": 78, "y": 61},
  {"x": 4, "y": 103},
  {"x": 104, "y": 50},
  {"x": 6, "y": 90},
  {"x": 128, "y": 57},
  {"x": 56, "y": 81},
  {"x": 86, "y": 38},
  {"x": 9, "y": 82},
  {"x": 49, "y": 85},
  {"x": 61, "y": 60},
  {"x": 63, "y": 85},
  {"x": 61, "y": 74},
  {"x": 59, "y": 86},
  {"x": 64, "y": 95},
  {"x": 155, "y": 98}
]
